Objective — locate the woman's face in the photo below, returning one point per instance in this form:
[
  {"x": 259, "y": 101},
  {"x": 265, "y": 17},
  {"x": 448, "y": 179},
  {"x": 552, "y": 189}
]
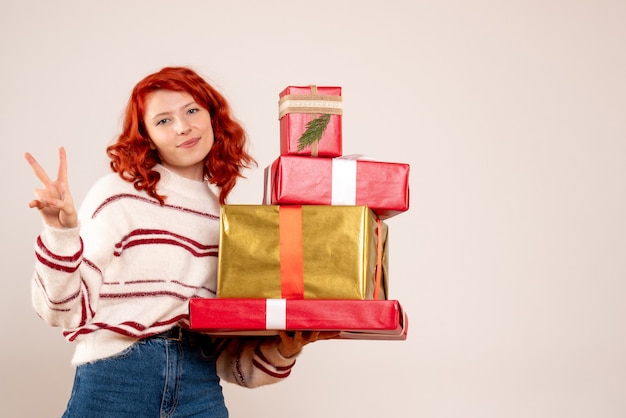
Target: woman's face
[{"x": 180, "y": 130}]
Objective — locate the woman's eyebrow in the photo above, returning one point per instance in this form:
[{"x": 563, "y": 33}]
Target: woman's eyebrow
[{"x": 159, "y": 115}]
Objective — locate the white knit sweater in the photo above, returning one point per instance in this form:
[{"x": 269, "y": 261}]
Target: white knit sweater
[{"x": 129, "y": 269}]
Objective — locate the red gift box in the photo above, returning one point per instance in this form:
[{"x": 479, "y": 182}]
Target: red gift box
[
  {"x": 299, "y": 180},
  {"x": 366, "y": 320},
  {"x": 300, "y": 105}
]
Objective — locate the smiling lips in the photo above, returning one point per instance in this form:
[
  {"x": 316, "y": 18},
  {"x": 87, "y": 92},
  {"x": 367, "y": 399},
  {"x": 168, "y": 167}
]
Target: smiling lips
[{"x": 189, "y": 143}]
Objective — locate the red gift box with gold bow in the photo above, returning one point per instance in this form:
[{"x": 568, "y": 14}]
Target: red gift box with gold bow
[{"x": 301, "y": 106}]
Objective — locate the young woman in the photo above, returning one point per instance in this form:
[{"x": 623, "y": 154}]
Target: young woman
[{"x": 118, "y": 274}]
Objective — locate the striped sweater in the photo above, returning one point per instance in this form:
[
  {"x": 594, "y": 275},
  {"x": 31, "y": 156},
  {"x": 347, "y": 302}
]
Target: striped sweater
[{"x": 129, "y": 269}]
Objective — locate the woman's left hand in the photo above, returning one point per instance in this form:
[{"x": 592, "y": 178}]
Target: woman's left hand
[{"x": 291, "y": 343}]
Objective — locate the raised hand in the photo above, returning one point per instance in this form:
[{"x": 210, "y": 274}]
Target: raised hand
[{"x": 54, "y": 200}]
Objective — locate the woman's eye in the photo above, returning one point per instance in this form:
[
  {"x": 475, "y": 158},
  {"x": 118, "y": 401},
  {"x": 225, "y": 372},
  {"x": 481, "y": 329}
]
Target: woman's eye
[
  {"x": 161, "y": 122},
  {"x": 193, "y": 110}
]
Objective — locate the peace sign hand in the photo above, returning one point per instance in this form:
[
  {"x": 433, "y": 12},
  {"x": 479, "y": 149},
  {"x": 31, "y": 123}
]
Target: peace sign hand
[{"x": 54, "y": 201}]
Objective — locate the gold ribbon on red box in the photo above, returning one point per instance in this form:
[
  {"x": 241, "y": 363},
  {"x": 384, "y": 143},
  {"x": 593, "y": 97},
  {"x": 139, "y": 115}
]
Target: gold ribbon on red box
[{"x": 310, "y": 103}]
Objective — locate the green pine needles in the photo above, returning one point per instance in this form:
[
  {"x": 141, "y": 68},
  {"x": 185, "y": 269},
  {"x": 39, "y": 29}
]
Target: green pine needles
[{"x": 314, "y": 131}]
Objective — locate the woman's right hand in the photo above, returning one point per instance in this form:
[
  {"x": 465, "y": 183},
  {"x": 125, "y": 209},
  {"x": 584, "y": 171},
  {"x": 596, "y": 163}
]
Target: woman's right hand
[{"x": 54, "y": 200}]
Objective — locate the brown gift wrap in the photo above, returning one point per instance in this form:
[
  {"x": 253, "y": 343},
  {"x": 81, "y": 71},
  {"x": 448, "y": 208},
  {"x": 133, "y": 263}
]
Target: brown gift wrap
[
  {"x": 302, "y": 252},
  {"x": 297, "y": 106}
]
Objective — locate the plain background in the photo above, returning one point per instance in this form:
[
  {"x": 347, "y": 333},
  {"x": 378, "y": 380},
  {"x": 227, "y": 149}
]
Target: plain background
[{"x": 511, "y": 261}]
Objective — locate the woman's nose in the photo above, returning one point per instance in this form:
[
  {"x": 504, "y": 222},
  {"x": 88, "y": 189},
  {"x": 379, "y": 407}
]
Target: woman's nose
[{"x": 182, "y": 128}]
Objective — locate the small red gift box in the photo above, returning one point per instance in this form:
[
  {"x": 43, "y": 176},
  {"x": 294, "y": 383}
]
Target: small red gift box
[
  {"x": 299, "y": 180},
  {"x": 300, "y": 105},
  {"x": 367, "y": 320}
]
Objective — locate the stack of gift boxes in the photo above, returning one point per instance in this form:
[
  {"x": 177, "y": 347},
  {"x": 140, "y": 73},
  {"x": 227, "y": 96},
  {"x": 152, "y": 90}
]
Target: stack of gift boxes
[{"x": 314, "y": 255}]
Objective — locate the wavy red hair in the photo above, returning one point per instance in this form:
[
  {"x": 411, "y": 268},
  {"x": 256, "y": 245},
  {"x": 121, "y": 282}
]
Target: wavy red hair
[{"x": 133, "y": 159}]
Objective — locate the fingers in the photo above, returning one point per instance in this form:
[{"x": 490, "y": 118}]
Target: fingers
[
  {"x": 36, "y": 204},
  {"x": 285, "y": 337},
  {"x": 41, "y": 173},
  {"x": 41, "y": 200},
  {"x": 37, "y": 169},
  {"x": 62, "y": 175},
  {"x": 312, "y": 336},
  {"x": 305, "y": 337},
  {"x": 292, "y": 342},
  {"x": 46, "y": 203},
  {"x": 64, "y": 193},
  {"x": 326, "y": 335}
]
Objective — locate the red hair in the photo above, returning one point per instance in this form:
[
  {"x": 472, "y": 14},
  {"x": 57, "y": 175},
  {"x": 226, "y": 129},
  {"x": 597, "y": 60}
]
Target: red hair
[{"x": 133, "y": 159}]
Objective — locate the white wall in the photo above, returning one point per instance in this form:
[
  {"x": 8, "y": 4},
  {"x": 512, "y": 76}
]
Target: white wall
[{"x": 511, "y": 261}]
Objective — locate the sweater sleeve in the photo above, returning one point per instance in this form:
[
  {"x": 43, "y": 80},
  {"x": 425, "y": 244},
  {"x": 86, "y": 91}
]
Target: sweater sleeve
[
  {"x": 253, "y": 362},
  {"x": 65, "y": 281},
  {"x": 58, "y": 293}
]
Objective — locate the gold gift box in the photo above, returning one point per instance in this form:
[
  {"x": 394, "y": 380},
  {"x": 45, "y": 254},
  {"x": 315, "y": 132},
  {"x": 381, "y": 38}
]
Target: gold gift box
[{"x": 329, "y": 252}]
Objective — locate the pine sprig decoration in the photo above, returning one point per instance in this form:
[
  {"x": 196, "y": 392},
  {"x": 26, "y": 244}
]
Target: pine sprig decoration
[{"x": 314, "y": 131}]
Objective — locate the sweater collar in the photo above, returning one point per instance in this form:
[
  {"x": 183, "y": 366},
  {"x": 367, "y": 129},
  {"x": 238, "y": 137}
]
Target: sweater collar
[{"x": 172, "y": 181}]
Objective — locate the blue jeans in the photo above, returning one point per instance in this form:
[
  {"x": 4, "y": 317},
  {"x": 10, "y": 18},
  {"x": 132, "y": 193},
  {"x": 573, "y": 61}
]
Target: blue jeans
[{"x": 154, "y": 378}]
